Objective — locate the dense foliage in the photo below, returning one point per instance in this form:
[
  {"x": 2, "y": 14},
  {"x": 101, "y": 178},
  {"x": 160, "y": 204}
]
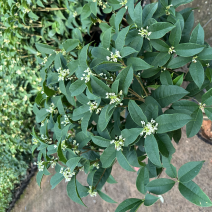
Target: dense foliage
[{"x": 22, "y": 23}]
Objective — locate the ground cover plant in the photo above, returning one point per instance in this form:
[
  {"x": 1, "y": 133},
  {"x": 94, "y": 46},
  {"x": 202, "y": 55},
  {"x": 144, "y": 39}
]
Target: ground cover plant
[
  {"x": 113, "y": 91},
  {"x": 22, "y": 23}
]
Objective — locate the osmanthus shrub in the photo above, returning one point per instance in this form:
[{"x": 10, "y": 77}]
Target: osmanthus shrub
[{"x": 123, "y": 98}]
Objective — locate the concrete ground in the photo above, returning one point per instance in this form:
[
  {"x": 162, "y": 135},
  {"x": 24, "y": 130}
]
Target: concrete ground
[{"x": 35, "y": 199}]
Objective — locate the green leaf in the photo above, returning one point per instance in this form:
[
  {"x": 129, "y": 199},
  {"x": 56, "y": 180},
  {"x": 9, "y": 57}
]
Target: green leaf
[
  {"x": 39, "y": 177},
  {"x": 106, "y": 37},
  {"x": 159, "y": 29},
  {"x": 178, "y": 62},
  {"x": 152, "y": 151},
  {"x": 166, "y": 123},
  {"x": 193, "y": 193},
  {"x": 197, "y": 35},
  {"x": 207, "y": 98},
  {"x": 111, "y": 180},
  {"x": 99, "y": 87},
  {"x": 160, "y": 186},
  {"x": 125, "y": 78},
  {"x": 99, "y": 141},
  {"x": 197, "y": 73},
  {"x": 150, "y": 200},
  {"x": 208, "y": 112},
  {"x": 138, "y": 63},
  {"x": 128, "y": 204},
  {"x": 148, "y": 12},
  {"x": 171, "y": 171},
  {"x": 167, "y": 94},
  {"x": 130, "y": 135},
  {"x": 123, "y": 161},
  {"x": 108, "y": 156},
  {"x": 160, "y": 45},
  {"x": 165, "y": 145},
  {"x": 188, "y": 49},
  {"x": 206, "y": 54},
  {"x": 43, "y": 48},
  {"x": 166, "y": 78},
  {"x": 175, "y": 35},
  {"x": 61, "y": 156},
  {"x": 105, "y": 197},
  {"x": 86, "y": 11},
  {"x": 72, "y": 163},
  {"x": 193, "y": 127},
  {"x": 136, "y": 113},
  {"x": 120, "y": 40},
  {"x": 127, "y": 51},
  {"x": 185, "y": 105},
  {"x": 119, "y": 17},
  {"x": 189, "y": 170},
  {"x": 72, "y": 191},
  {"x": 160, "y": 60},
  {"x": 138, "y": 15},
  {"x": 142, "y": 180},
  {"x": 70, "y": 44},
  {"x": 77, "y": 87},
  {"x": 180, "y": 2},
  {"x": 56, "y": 179},
  {"x": 178, "y": 80},
  {"x": 208, "y": 73}
]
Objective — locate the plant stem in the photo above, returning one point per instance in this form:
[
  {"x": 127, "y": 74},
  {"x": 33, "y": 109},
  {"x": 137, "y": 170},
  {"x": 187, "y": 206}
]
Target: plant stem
[{"x": 141, "y": 85}]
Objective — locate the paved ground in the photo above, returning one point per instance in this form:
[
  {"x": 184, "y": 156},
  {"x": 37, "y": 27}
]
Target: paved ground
[
  {"x": 35, "y": 199},
  {"x": 56, "y": 200}
]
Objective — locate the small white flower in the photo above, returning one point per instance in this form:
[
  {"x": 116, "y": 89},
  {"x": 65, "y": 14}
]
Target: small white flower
[
  {"x": 208, "y": 64},
  {"x": 119, "y": 142},
  {"x": 62, "y": 74},
  {"x": 171, "y": 50},
  {"x": 75, "y": 14},
  {"x": 91, "y": 192},
  {"x": 63, "y": 145},
  {"x": 144, "y": 33},
  {"x": 114, "y": 57},
  {"x": 194, "y": 59},
  {"x": 201, "y": 107},
  {"x": 87, "y": 75},
  {"x": 149, "y": 128},
  {"x": 40, "y": 165},
  {"x": 114, "y": 98}
]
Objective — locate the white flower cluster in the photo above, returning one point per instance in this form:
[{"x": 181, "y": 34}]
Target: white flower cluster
[
  {"x": 208, "y": 65},
  {"x": 201, "y": 107},
  {"x": 40, "y": 165},
  {"x": 91, "y": 192},
  {"x": 123, "y": 3},
  {"x": 63, "y": 145},
  {"x": 105, "y": 76},
  {"x": 75, "y": 148},
  {"x": 26, "y": 10},
  {"x": 144, "y": 33},
  {"x": 46, "y": 139},
  {"x": 171, "y": 50},
  {"x": 93, "y": 106},
  {"x": 35, "y": 141},
  {"x": 62, "y": 73},
  {"x": 96, "y": 164},
  {"x": 194, "y": 59},
  {"x": 101, "y": 4},
  {"x": 149, "y": 128},
  {"x": 75, "y": 14},
  {"x": 51, "y": 108},
  {"x": 44, "y": 60},
  {"x": 66, "y": 120},
  {"x": 119, "y": 142},
  {"x": 114, "y": 98},
  {"x": 67, "y": 174},
  {"x": 114, "y": 57},
  {"x": 53, "y": 162},
  {"x": 87, "y": 75}
]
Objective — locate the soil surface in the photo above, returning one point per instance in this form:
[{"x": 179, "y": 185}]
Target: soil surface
[{"x": 35, "y": 199}]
